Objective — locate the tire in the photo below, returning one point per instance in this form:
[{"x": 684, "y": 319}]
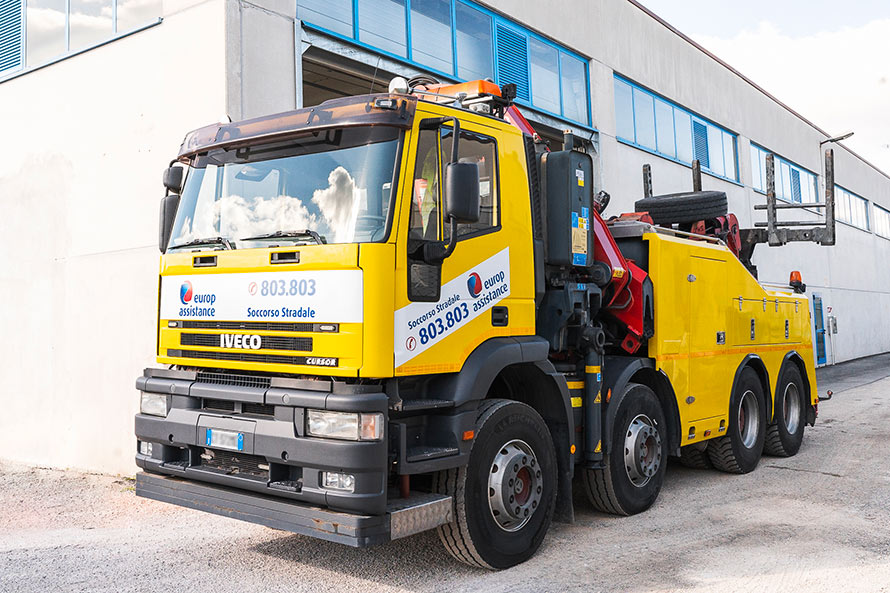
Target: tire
[
  {"x": 738, "y": 452},
  {"x": 512, "y": 462},
  {"x": 695, "y": 457},
  {"x": 637, "y": 459},
  {"x": 684, "y": 207},
  {"x": 785, "y": 435}
]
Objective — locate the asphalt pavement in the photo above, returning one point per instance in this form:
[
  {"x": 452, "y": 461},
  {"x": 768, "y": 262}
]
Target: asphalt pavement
[{"x": 819, "y": 521}]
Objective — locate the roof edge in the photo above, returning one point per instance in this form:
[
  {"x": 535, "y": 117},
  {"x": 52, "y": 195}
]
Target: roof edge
[{"x": 769, "y": 95}]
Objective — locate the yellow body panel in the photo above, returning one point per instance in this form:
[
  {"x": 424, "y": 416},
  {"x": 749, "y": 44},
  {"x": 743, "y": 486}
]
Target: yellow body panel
[
  {"x": 449, "y": 354},
  {"x": 698, "y": 291}
]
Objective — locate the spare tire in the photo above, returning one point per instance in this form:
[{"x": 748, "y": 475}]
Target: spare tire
[{"x": 684, "y": 207}]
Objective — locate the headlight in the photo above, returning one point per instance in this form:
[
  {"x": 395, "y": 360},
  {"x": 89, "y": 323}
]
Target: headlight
[
  {"x": 343, "y": 425},
  {"x": 154, "y": 404},
  {"x": 338, "y": 481}
]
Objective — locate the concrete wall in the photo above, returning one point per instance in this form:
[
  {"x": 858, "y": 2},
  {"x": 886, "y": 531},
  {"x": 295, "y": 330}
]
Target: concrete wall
[{"x": 84, "y": 144}]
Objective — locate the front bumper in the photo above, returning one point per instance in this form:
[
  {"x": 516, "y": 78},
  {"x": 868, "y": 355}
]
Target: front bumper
[
  {"x": 278, "y": 460},
  {"x": 403, "y": 517}
]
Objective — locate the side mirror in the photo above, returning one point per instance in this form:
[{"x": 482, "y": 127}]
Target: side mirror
[
  {"x": 461, "y": 198},
  {"x": 169, "y": 206},
  {"x": 173, "y": 179}
]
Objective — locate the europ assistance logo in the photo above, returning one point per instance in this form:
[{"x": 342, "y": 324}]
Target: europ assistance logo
[
  {"x": 185, "y": 292},
  {"x": 474, "y": 285}
]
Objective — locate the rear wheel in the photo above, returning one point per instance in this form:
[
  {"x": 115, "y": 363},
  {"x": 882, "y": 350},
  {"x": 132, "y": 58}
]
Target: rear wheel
[
  {"x": 684, "y": 207},
  {"x": 739, "y": 451},
  {"x": 696, "y": 456},
  {"x": 785, "y": 435},
  {"x": 504, "y": 497},
  {"x": 637, "y": 457}
]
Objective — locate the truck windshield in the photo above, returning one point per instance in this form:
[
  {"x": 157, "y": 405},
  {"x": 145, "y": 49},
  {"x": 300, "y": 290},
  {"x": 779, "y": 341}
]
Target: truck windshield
[{"x": 331, "y": 186}]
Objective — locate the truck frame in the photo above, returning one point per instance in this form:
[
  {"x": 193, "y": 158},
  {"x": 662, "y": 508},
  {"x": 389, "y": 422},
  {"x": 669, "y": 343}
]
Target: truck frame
[{"x": 429, "y": 325}]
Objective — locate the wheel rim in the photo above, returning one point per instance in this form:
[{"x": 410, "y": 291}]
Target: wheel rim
[
  {"x": 642, "y": 450},
  {"x": 515, "y": 485},
  {"x": 791, "y": 408},
  {"x": 749, "y": 419}
]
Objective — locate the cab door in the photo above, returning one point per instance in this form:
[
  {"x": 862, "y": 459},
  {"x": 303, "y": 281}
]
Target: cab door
[{"x": 443, "y": 311}]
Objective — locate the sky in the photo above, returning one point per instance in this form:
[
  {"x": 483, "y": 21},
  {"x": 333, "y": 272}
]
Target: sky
[{"x": 829, "y": 60}]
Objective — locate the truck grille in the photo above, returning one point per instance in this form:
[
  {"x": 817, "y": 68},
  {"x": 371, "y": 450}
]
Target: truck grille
[
  {"x": 232, "y": 463},
  {"x": 258, "y": 409},
  {"x": 221, "y": 405},
  {"x": 251, "y": 357},
  {"x": 251, "y": 325},
  {"x": 268, "y": 342},
  {"x": 234, "y": 379}
]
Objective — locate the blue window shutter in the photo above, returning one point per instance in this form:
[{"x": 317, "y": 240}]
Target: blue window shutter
[
  {"x": 700, "y": 144},
  {"x": 795, "y": 185},
  {"x": 513, "y": 60},
  {"x": 10, "y": 35}
]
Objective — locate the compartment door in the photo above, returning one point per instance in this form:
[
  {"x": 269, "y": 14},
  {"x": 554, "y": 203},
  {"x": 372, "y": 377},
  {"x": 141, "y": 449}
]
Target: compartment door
[{"x": 709, "y": 375}]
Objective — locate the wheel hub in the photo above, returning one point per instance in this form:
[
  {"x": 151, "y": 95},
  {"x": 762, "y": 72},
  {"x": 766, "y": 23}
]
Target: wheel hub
[
  {"x": 791, "y": 408},
  {"x": 749, "y": 419},
  {"x": 642, "y": 450},
  {"x": 515, "y": 485}
]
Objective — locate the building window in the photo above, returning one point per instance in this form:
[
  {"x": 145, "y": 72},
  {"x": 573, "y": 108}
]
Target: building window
[
  {"x": 381, "y": 23},
  {"x": 431, "y": 31},
  {"x": 882, "y": 222},
  {"x": 850, "y": 208},
  {"x": 459, "y": 39},
  {"x": 10, "y": 36},
  {"x": 793, "y": 182},
  {"x": 653, "y": 123},
  {"x": 474, "y": 43},
  {"x": 35, "y": 32}
]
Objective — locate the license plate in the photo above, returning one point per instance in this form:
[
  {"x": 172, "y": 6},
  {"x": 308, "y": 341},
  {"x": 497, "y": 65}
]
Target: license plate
[{"x": 225, "y": 439}]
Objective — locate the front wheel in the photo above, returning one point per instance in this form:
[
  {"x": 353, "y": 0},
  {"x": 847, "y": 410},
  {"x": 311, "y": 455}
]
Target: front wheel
[
  {"x": 636, "y": 462},
  {"x": 504, "y": 497}
]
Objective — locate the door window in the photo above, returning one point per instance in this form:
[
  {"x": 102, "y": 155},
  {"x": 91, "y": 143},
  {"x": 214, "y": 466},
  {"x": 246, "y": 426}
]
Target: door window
[{"x": 434, "y": 149}]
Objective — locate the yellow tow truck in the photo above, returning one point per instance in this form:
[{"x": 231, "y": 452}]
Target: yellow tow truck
[{"x": 400, "y": 312}]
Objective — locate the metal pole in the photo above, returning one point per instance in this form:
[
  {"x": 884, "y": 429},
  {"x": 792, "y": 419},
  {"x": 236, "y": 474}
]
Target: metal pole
[
  {"x": 771, "y": 200},
  {"x": 829, "y": 198},
  {"x": 647, "y": 181},
  {"x": 696, "y": 175}
]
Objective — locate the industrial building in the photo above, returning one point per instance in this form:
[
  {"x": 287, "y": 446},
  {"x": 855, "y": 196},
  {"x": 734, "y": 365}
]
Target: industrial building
[{"x": 98, "y": 95}]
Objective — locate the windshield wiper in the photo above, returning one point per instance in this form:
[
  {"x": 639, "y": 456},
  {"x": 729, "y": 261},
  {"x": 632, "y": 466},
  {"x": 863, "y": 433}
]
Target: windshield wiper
[
  {"x": 304, "y": 234},
  {"x": 207, "y": 241}
]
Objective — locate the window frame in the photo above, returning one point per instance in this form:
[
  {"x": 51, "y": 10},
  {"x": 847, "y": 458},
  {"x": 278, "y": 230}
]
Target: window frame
[
  {"x": 841, "y": 192},
  {"x": 25, "y": 68},
  {"x": 495, "y": 20},
  {"x": 693, "y": 119},
  {"x": 884, "y": 213},
  {"x": 756, "y": 149},
  {"x": 496, "y": 226}
]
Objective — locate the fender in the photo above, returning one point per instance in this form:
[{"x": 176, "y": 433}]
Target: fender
[
  {"x": 756, "y": 363},
  {"x": 486, "y": 362},
  {"x": 617, "y": 372},
  {"x": 794, "y": 357}
]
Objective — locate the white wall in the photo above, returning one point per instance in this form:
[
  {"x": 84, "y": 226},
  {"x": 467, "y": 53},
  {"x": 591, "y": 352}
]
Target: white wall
[{"x": 84, "y": 144}]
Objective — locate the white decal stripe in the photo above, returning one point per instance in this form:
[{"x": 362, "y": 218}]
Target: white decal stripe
[
  {"x": 419, "y": 326},
  {"x": 322, "y": 296}
]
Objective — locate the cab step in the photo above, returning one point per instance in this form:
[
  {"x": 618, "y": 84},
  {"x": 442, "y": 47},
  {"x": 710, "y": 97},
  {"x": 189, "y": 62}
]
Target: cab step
[
  {"x": 416, "y": 454},
  {"x": 415, "y": 405}
]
